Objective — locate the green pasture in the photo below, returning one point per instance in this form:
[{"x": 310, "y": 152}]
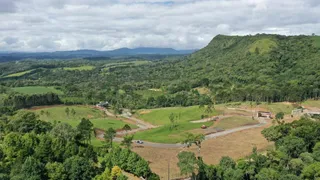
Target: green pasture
[
  {"x": 264, "y": 45},
  {"x": 235, "y": 121},
  {"x": 58, "y": 113},
  {"x": 316, "y": 41},
  {"x": 184, "y": 114},
  {"x": 164, "y": 134},
  {"x": 150, "y": 93},
  {"x": 19, "y": 73},
  {"x": 80, "y": 68},
  {"x": 312, "y": 103},
  {"x": 278, "y": 107},
  {"x": 127, "y": 63},
  {"x": 37, "y": 90}
]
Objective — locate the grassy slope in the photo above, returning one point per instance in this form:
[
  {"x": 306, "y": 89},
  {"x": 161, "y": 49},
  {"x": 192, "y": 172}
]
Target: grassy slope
[
  {"x": 278, "y": 107},
  {"x": 96, "y": 117},
  {"x": 36, "y": 90},
  {"x": 150, "y": 93},
  {"x": 312, "y": 103},
  {"x": 316, "y": 40},
  {"x": 19, "y": 73},
  {"x": 263, "y": 45},
  {"x": 80, "y": 68},
  {"x": 161, "y": 116},
  {"x": 235, "y": 121}
]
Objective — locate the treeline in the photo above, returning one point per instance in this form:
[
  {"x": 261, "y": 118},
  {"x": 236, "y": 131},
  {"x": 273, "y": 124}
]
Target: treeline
[
  {"x": 34, "y": 149},
  {"x": 296, "y": 156},
  {"x": 130, "y": 162},
  {"x": 18, "y": 101}
]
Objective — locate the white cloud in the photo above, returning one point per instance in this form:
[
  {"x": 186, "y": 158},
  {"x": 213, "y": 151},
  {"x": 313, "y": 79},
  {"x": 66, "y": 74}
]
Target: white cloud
[{"x": 48, "y": 25}]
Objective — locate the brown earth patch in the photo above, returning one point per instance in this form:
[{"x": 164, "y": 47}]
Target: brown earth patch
[
  {"x": 145, "y": 112},
  {"x": 235, "y": 145}
]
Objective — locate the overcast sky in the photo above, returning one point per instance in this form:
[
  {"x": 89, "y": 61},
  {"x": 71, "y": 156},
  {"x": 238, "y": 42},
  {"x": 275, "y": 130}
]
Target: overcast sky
[{"x": 50, "y": 25}]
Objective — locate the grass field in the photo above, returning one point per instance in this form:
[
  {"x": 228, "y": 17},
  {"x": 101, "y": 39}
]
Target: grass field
[
  {"x": 316, "y": 41},
  {"x": 37, "y": 90},
  {"x": 278, "y": 107},
  {"x": 161, "y": 116},
  {"x": 264, "y": 45},
  {"x": 136, "y": 63},
  {"x": 121, "y": 64},
  {"x": 273, "y": 107},
  {"x": 312, "y": 103},
  {"x": 19, "y": 73},
  {"x": 150, "y": 93},
  {"x": 163, "y": 134},
  {"x": 80, "y": 68},
  {"x": 235, "y": 121},
  {"x": 96, "y": 116}
]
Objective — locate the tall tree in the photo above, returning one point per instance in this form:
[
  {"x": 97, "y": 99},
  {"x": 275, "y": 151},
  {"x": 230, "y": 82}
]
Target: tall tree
[
  {"x": 187, "y": 163},
  {"x": 109, "y": 136},
  {"x": 127, "y": 141},
  {"x": 194, "y": 139},
  {"x": 84, "y": 129}
]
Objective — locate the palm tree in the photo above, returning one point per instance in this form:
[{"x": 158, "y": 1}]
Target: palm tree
[{"x": 194, "y": 139}]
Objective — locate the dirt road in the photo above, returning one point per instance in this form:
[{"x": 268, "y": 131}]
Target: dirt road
[{"x": 145, "y": 126}]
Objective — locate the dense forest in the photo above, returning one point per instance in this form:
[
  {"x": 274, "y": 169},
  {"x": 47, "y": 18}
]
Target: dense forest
[
  {"x": 35, "y": 150},
  {"x": 237, "y": 68},
  {"x": 296, "y": 156}
]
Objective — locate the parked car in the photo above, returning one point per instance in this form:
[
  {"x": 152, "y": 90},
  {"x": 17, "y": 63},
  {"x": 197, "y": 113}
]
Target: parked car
[{"x": 139, "y": 142}]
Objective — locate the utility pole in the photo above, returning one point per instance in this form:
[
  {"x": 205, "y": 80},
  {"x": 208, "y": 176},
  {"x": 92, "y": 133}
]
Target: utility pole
[{"x": 168, "y": 169}]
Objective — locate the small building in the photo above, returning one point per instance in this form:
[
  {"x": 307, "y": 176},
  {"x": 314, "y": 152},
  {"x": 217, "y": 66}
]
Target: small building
[
  {"x": 265, "y": 114},
  {"x": 103, "y": 104},
  {"x": 297, "y": 112}
]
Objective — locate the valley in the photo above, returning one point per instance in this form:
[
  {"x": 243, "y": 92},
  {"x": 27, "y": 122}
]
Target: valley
[{"x": 239, "y": 98}]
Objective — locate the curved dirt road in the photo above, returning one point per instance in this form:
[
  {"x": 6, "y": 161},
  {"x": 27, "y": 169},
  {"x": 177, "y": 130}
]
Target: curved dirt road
[
  {"x": 144, "y": 126},
  {"x": 179, "y": 145}
]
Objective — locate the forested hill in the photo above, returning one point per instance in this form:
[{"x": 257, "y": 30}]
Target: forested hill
[
  {"x": 284, "y": 68},
  {"x": 261, "y": 67}
]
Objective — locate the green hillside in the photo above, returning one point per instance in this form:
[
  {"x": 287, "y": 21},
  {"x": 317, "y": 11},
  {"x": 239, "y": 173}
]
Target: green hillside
[{"x": 238, "y": 68}]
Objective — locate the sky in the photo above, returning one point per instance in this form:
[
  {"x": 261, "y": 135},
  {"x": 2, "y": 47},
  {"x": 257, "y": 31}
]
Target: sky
[{"x": 57, "y": 25}]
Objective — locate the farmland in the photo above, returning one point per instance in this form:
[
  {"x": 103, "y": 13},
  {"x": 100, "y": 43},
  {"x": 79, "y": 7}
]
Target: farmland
[
  {"x": 37, "y": 90},
  {"x": 80, "y": 68}
]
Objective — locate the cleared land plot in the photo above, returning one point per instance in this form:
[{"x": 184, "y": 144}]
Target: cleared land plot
[
  {"x": 58, "y": 113},
  {"x": 279, "y": 107},
  {"x": 203, "y": 90},
  {"x": 161, "y": 116},
  {"x": 262, "y": 45},
  {"x": 37, "y": 90},
  {"x": 312, "y": 103},
  {"x": 124, "y": 64},
  {"x": 150, "y": 93},
  {"x": 19, "y": 73},
  {"x": 272, "y": 107},
  {"x": 235, "y": 145},
  {"x": 235, "y": 121},
  {"x": 316, "y": 41},
  {"x": 164, "y": 134},
  {"x": 80, "y": 68}
]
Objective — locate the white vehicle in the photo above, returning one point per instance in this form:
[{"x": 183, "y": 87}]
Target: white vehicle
[{"x": 139, "y": 142}]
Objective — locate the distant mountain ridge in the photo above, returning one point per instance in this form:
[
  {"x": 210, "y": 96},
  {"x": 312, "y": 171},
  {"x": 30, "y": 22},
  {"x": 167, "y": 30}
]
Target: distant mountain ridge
[{"x": 87, "y": 53}]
